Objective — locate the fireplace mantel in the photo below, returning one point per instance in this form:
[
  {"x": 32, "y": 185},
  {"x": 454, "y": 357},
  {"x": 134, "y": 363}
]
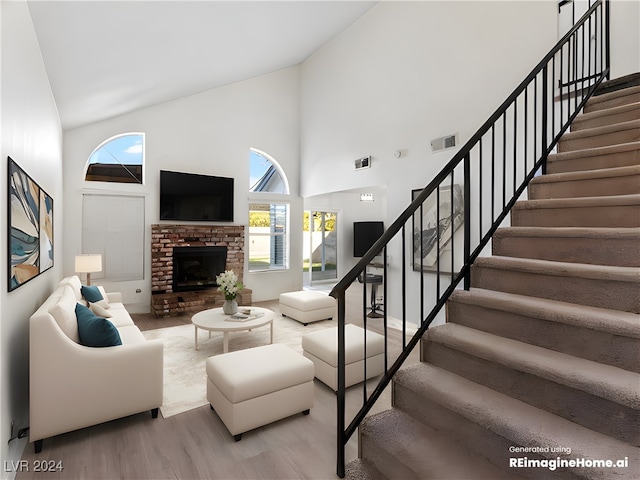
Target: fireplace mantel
[{"x": 164, "y": 237}]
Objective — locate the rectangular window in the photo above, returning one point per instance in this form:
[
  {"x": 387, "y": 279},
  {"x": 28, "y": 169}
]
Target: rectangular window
[
  {"x": 113, "y": 225},
  {"x": 268, "y": 236}
]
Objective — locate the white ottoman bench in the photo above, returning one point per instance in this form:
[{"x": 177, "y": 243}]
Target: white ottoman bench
[
  {"x": 307, "y": 306},
  {"x": 253, "y": 387},
  {"x": 321, "y": 347}
]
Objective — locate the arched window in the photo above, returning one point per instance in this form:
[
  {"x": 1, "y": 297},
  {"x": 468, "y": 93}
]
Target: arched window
[
  {"x": 268, "y": 218},
  {"x": 265, "y": 175},
  {"x": 119, "y": 159}
]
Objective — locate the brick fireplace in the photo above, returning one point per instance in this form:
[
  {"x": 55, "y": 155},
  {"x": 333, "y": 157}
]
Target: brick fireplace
[{"x": 165, "y": 302}]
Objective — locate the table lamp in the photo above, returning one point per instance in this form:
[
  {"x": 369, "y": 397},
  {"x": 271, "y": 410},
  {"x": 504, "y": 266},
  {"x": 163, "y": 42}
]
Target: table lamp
[{"x": 88, "y": 263}]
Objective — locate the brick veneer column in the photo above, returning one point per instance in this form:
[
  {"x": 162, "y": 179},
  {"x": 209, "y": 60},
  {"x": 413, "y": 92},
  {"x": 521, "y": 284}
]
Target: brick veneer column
[{"x": 165, "y": 302}]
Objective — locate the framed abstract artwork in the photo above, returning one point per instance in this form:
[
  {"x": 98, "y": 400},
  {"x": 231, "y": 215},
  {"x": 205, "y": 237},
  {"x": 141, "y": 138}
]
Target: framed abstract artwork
[
  {"x": 30, "y": 216},
  {"x": 433, "y": 234}
]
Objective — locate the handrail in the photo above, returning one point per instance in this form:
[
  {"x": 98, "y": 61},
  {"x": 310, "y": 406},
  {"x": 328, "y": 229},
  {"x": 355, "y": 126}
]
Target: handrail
[{"x": 530, "y": 121}]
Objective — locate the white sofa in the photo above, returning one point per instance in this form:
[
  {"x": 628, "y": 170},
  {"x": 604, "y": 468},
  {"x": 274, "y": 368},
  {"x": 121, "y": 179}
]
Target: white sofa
[{"x": 73, "y": 386}]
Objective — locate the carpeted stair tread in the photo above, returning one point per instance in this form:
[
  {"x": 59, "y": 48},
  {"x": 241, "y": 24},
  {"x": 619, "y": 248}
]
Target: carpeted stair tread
[
  {"x": 611, "y": 128},
  {"x": 595, "y": 285},
  {"x": 602, "y": 335},
  {"x": 601, "y": 319},
  {"x": 599, "y": 182},
  {"x": 619, "y": 83},
  {"x": 619, "y": 155},
  {"x": 517, "y": 422},
  {"x": 624, "y": 132},
  {"x": 622, "y": 113},
  {"x": 594, "y": 232},
  {"x": 594, "y": 245},
  {"x": 588, "y": 174},
  {"x": 613, "y": 99},
  {"x": 604, "y": 381},
  {"x": 581, "y": 202},
  {"x": 602, "y": 211},
  {"x": 562, "y": 269},
  {"x": 407, "y": 448}
]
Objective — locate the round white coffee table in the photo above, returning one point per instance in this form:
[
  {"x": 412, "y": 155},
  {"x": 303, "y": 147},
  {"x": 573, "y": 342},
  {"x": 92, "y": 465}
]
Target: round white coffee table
[{"x": 215, "y": 320}]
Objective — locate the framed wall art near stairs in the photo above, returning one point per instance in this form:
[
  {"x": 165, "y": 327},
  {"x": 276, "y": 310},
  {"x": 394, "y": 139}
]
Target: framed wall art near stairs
[{"x": 437, "y": 230}]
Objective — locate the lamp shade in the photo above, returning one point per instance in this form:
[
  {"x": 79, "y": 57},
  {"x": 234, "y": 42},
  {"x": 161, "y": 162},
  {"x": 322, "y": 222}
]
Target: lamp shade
[{"x": 87, "y": 263}]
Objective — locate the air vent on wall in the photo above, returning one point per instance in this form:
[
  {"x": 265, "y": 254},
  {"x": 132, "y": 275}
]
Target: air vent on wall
[
  {"x": 443, "y": 143},
  {"x": 364, "y": 162}
]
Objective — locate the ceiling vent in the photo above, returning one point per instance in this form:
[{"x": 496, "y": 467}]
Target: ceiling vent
[
  {"x": 364, "y": 162},
  {"x": 444, "y": 143}
]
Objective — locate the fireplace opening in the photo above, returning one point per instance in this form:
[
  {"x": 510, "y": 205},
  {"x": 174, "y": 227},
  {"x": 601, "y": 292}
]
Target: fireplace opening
[{"x": 196, "y": 268}]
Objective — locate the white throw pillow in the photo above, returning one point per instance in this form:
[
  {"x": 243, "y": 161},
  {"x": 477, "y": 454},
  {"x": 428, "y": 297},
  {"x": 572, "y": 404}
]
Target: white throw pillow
[
  {"x": 99, "y": 310},
  {"x": 105, "y": 302}
]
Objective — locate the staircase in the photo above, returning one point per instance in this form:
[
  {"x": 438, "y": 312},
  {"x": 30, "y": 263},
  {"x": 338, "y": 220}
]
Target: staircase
[{"x": 542, "y": 353}]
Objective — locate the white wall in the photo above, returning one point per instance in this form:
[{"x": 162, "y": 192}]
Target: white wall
[
  {"x": 208, "y": 133},
  {"x": 32, "y": 136},
  {"x": 625, "y": 37},
  {"x": 408, "y": 72},
  {"x": 404, "y": 74}
]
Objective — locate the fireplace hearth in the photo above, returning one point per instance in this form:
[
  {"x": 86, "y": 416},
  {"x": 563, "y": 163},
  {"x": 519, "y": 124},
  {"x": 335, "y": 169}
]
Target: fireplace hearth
[{"x": 193, "y": 290}]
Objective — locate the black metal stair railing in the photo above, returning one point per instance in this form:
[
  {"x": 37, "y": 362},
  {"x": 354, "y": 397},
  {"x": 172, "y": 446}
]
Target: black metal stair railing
[{"x": 451, "y": 221}]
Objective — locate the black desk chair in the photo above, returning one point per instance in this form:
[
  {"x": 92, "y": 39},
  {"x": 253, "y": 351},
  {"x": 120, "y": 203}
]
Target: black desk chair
[{"x": 373, "y": 280}]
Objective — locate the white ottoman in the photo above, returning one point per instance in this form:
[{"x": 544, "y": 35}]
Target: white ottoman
[
  {"x": 307, "y": 306},
  {"x": 321, "y": 347},
  {"x": 253, "y": 387}
]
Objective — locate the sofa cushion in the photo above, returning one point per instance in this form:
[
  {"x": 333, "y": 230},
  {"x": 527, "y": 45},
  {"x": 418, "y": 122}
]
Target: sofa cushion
[
  {"x": 130, "y": 334},
  {"x": 120, "y": 315},
  {"x": 63, "y": 312},
  {"x": 95, "y": 331}
]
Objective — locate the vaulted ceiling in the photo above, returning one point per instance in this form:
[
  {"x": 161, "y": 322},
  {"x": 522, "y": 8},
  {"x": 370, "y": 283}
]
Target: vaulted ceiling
[{"x": 105, "y": 58}]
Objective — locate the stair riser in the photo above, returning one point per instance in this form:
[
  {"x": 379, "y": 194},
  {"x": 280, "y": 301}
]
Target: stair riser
[
  {"x": 621, "y": 252},
  {"x": 596, "y": 162},
  {"x": 492, "y": 446},
  {"x": 577, "y": 406},
  {"x": 362, "y": 470},
  {"x": 618, "y": 351},
  {"x": 601, "y": 121},
  {"x": 384, "y": 461},
  {"x": 595, "y": 187},
  {"x": 592, "y": 106},
  {"x": 591, "y": 216},
  {"x": 594, "y": 292},
  {"x": 567, "y": 143}
]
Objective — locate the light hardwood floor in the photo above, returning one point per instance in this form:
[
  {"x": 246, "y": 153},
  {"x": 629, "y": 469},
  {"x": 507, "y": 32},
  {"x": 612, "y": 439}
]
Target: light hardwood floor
[{"x": 196, "y": 444}]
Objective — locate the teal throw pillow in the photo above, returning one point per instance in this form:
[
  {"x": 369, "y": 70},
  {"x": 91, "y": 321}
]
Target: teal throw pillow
[
  {"x": 92, "y": 293},
  {"x": 95, "y": 331}
]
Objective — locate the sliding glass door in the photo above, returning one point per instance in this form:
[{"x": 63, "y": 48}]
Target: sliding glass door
[{"x": 321, "y": 246}]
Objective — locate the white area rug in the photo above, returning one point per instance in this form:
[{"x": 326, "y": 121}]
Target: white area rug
[{"x": 185, "y": 378}]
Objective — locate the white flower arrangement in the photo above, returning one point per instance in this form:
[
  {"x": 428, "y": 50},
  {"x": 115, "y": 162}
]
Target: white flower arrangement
[{"x": 228, "y": 284}]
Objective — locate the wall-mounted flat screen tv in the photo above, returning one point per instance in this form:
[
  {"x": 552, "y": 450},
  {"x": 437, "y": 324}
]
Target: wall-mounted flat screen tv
[
  {"x": 194, "y": 197},
  {"x": 365, "y": 234}
]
